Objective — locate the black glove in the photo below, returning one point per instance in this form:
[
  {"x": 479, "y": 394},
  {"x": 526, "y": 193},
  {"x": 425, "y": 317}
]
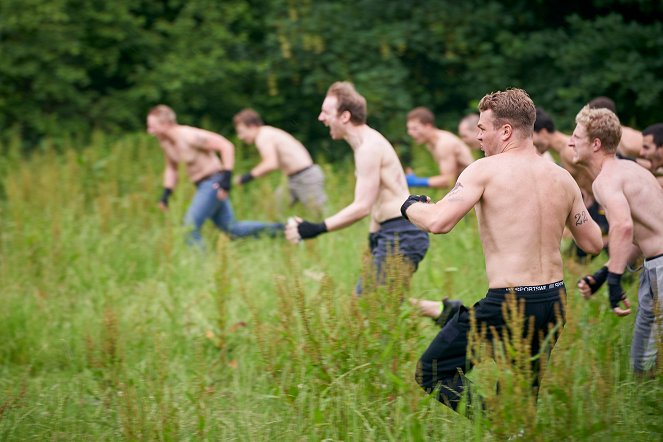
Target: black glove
[
  {"x": 225, "y": 180},
  {"x": 411, "y": 200},
  {"x": 615, "y": 292},
  {"x": 310, "y": 230},
  {"x": 166, "y": 194},
  {"x": 246, "y": 178},
  {"x": 596, "y": 280}
]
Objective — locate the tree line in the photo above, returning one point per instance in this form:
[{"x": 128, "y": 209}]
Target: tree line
[{"x": 68, "y": 67}]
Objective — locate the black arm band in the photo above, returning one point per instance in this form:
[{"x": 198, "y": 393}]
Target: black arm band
[
  {"x": 310, "y": 230},
  {"x": 225, "y": 181},
  {"x": 166, "y": 194},
  {"x": 615, "y": 292},
  {"x": 599, "y": 278},
  {"x": 246, "y": 178},
  {"x": 411, "y": 200}
]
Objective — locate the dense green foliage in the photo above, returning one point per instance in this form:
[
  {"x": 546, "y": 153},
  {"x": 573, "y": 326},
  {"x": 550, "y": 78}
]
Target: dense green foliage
[
  {"x": 112, "y": 329},
  {"x": 68, "y": 66}
]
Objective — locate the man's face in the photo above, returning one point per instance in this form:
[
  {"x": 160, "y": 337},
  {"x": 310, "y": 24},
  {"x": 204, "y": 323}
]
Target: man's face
[
  {"x": 540, "y": 140},
  {"x": 581, "y": 145},
  {"x": 468, "y": 134},
  {"x": 155, "y": 126},
  {"x": 329, "y": 117},
  {"x": 245, "y": 133},
  {"x": 417, "y": 130},
  {"x": 488, "y": 135},
  {"x": 650, "y": 152}
]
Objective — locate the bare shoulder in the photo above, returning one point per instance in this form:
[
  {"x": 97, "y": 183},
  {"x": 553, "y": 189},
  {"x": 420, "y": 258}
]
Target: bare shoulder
[{"x": 446, "y": 139}]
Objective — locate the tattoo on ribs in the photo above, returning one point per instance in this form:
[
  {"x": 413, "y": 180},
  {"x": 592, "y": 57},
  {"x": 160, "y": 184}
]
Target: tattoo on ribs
[{"x": 581, "y": 218}]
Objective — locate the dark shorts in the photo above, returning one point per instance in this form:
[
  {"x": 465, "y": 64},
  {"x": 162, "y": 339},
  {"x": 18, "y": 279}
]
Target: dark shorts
[
  {"x": 397, "y": 237},
  {"x": 445, "y": 361}
]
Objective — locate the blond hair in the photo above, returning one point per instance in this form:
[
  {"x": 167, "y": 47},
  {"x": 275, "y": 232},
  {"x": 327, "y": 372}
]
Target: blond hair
[
  {"x": 349, "y": 100},
  {"x": 601, "y": 123},
  {"x": 164, "y": 114},
  {"x": 512, "y": 106}
]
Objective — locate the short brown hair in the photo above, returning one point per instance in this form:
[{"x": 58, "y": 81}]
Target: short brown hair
[
  {"x": 423, "y": 114},
  {"x": 349, "y": 100},
  {"x": 164, "y": 113},
  {"x": 511, "y": 106},
  {"x": 603, "y": 124},
  {"x": 248, "y": 117},
  {"x": 602, "y": 103}
]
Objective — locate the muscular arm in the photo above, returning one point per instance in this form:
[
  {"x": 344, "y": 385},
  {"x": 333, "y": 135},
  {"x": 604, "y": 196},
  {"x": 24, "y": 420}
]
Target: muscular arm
[
  {"x": 585, "y": 231},
  {"x": 207, "y": 140},
  {"x": 448, "y": 168},
  {"x": 442, "y": 216},
  {"x": 170, "y": 174},
  {"x": 620, "y": 235},
  {"x": 367, "y": 161},
  {"x": 268, "y": 158}
]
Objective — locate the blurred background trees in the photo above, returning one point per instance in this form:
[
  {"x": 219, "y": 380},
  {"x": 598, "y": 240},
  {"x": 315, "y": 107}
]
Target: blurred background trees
[{"x": 68, "y": 67}]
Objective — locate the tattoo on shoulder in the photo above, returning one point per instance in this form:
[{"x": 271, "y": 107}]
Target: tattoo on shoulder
[{"x": 581, "y": 218}]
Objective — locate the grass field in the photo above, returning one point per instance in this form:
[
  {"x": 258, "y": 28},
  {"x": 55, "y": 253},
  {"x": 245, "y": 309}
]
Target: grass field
[{"x": 112, "y": 329}]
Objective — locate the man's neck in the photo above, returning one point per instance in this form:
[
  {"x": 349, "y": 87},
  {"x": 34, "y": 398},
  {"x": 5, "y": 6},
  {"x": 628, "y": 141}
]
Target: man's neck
[{"x": 355, "y": 135}]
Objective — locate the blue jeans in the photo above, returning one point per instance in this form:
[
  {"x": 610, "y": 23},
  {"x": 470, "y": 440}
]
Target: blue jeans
[
  {"x": 647, "y": 333},
  {"x": 206, "y": 205}
]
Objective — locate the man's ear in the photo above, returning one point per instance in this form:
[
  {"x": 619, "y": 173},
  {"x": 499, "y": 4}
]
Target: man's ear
[
  {"x": 345, "y": 116},
  {"x": 596, "y": 145},
  {"x": 506, "y": 131}
]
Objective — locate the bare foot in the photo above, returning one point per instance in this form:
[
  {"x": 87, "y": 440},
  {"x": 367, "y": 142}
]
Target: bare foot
[{"x": 431, "y": 309}]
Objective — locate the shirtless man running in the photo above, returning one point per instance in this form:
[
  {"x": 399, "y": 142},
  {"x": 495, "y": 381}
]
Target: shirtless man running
[
  {"x": 449, "y": 151},
  {"x": 520, "y": 224},
  {"x": 633, "y": 201},
  {"x": 379, "y": 190},
  {"x": 280, "y": 150},
  {"x": 198, "y": 149}
]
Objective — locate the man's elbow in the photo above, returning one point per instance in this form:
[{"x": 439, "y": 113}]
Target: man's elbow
[
  {"x": 437, "y": 227},
  {"x": 593, "y": 248}
]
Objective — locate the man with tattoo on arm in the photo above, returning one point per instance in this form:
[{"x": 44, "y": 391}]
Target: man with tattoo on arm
[
  {"x": 198, "y": 149},
  {"x": 520, "y": 225},
  {"x": 633, "y": 202},
  {"x": 379, "y": 190}
]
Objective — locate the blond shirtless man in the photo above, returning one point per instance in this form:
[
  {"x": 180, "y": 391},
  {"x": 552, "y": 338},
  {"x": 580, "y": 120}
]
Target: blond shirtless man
[
  {"x": 547, "y": 137},
  {"x": 379, "y": 190},
  {"x": 633, "y": 201},
  {"x": 449, "y": 152},
  {"x": 280, "y": 150},
  {"x": 520, "y": 224},
  {"x": 211, "y": 174},
  {"x": 630, "y": 142}
]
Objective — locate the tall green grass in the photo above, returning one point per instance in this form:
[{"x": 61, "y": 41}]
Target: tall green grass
[{"x": 112, "y": 329}]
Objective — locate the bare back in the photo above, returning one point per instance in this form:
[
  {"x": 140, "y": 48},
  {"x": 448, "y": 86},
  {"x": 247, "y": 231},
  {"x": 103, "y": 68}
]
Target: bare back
[
  {"x": 291, "y": 155},
  {"x": 448, "y": 145},
  {"x": 644, "y": 197},
  {"x": 525, "y": 205},
  {"x": 392, "y": 190}
]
